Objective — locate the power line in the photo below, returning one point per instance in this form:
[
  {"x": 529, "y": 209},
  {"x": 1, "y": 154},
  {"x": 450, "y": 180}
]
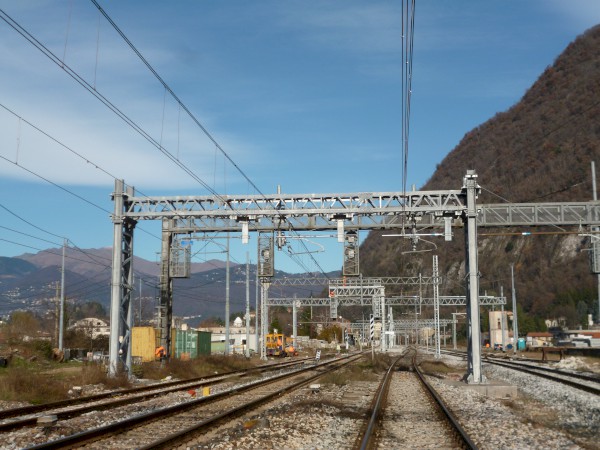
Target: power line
[
  {"x": 56, "y": 185},
  {"x": 60, "y": 63},
  {"x": 170, "y": 91},
  {"x": 29, "y": 235},
  {"x": 73, "y": 74},
  {"x": 408, "y": 30},
  {"x": 88, "y": 161},
  {"x": 192, "y": 116}
]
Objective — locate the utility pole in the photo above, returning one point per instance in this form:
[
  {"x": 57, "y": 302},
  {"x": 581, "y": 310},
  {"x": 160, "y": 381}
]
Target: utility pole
[
  {"x": 62, "y": 299},
  {"x": 247, "y": 305},
  {"x": 436, "y": 307},
  {"x": 56, "y": 313},
  {"x": 502, "y": 322},
  {"x": 595, "y": 247},
  {"x": 140, "y": 322},
  {"x": 514, "y": 304},
  {"x": 471, "y": 188},
  {"x": 256, "y": 310},
  {"x": 227, "y": 300}
]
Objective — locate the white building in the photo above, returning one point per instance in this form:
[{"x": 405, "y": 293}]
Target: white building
[
  {"x": 499, "y": 332},
  {"x": 237, "y": 336},
  {"x": 92, "y": 327}
]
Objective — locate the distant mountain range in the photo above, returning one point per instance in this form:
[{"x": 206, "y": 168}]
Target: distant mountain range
[{"x": 32, "y": 281}]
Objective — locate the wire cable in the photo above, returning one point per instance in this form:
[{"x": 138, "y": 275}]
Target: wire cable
[
  {"x": 13, "y": 24},
  {"x": 191, "y": 115},
  {"x": 175, "y": 97}
]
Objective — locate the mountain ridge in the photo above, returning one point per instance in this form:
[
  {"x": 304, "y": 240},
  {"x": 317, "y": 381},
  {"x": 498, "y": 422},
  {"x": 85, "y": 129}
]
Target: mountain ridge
[
  {"x": 539, "y": 150},
  {"x": 32, "y": 282}
]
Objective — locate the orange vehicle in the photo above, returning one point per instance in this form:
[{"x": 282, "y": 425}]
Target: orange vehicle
[
  {"x": 279, "y": 345},
  {"x": 274, "y": 344},
  {"x": 289, "y": 347}
]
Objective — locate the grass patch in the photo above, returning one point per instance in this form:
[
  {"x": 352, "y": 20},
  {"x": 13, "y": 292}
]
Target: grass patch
[
  {"x": 358, "y": 373},
  {"x": 337, "y": 378},
  {"x": 36, "y": 380},
  {"x": 27, "y": 384},
  {"x": 45, "y": 382},
  {"x": 380, "y": 364},
  {"x": 362, "y": 370},
  {"x": 200, "y": 367},
  {"x": 91, "y": 373},
  {"x": 436, "y": 368}
]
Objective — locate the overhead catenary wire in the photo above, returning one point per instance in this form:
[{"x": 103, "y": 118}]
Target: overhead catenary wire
[
  {"x": 175, "y": 97},
  {"x": 74, "y": 152},
  {"x": 80, "y": 80},
  {"x": 408, "y": 30},
  {"x": 92, "y": 259},
  {"x": 91, "y": 89},
  {"x": 191, "y": 115}
]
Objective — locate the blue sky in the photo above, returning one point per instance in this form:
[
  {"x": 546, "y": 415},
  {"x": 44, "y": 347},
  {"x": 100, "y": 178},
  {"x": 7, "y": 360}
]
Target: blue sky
[{"x": 306, "y": 95}]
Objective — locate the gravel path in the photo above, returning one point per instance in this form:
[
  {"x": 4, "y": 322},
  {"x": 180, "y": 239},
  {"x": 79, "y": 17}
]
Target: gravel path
[{"x": 411, "y": 419}]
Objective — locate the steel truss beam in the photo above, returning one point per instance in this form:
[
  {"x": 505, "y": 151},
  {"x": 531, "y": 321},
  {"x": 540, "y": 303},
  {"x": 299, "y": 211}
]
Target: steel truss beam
[
  {"x": 319, "y": 281},
  {"x": 538, "y": 214},
  {"x": 445, "y": 300},
  {"x": 366, "y": 211},
  {"x": 299, "y": 212},
  {"x": 290, "y": 301},
  {"x": 354, "y": 291},
  {"x": 405, "y": 324},
  {"x": 317, "y": 212}
]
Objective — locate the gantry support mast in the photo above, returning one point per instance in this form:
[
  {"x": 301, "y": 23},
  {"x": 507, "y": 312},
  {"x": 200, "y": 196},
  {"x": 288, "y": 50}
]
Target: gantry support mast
[{"x": 121, "y": 314}]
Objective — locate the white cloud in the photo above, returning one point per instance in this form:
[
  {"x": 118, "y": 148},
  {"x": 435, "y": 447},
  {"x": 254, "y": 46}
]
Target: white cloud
[
  {"x": 579, "y": 14},
  {"x": 40, "y": 92},
  {"x": 349, "y": 26}
]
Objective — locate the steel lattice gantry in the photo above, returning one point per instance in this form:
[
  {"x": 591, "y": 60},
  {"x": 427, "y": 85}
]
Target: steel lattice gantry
[
  {"x": 314, "y": 212},
  {"x": 444, "y": 300},
  {"x": 404, "y": 324}
]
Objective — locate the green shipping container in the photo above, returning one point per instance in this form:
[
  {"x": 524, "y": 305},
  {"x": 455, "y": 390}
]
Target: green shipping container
[
  {"x": 204, "y": 338},
  {"x": 186, "y": 344}
]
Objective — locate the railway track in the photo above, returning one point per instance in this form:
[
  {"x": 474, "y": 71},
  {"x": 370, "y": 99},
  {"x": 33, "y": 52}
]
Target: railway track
[
  {"x": 585, "y": 382},
  {"x": 409, "y": 413},
  {"x": 166, "y": 427},
  {"x": 29, "y": 416},
  {"x": 324, "y": 410},
  {"x": 150, "y": 390}
]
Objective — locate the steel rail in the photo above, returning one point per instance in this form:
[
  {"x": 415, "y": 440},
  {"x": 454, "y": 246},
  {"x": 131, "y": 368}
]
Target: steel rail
[
  {"x": 181, "y": 437},
  {"x": 535, "y": 370},
  {"x": 137, "y": 394},
  {"x": 581, "y": 376},
  {"x": 557, "y": 377},
  {"x": 94, "y": 434},
  {"x": 462, "y": 434},
  {"x": 377, "y": 406}
]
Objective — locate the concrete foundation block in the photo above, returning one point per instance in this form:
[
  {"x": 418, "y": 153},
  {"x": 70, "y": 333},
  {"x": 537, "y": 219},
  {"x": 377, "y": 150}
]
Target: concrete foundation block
[{"x": 491, "y": 389}]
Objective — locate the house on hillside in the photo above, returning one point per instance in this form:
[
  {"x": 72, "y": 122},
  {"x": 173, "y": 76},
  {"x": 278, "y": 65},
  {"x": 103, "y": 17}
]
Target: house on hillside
[
  {"x": 92, "y": 327},
  {"x": 539, "y": 339}
]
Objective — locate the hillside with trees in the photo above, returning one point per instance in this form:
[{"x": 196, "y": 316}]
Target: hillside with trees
[{"x": 540, "y": 150}]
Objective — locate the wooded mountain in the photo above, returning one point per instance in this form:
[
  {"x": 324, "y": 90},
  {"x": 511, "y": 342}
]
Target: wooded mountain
[{"x": 540, "y": 150}]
